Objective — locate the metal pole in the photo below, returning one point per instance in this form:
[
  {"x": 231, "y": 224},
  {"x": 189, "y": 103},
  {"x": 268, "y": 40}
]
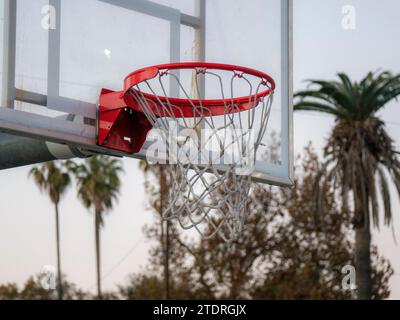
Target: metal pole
[
  {"x": 19, "y": 151},
  {"x": 16, "y": 151},
  {"x": 200, "y": 55},
  {"x": 200, "y": 39},
  {"x": 9, "y": 47}
]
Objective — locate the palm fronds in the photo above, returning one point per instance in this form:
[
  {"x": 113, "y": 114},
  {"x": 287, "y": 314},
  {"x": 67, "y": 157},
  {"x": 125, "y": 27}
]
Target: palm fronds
[
  {"x": 347, "y": 100},
  {"x": 360, "y": 155}
]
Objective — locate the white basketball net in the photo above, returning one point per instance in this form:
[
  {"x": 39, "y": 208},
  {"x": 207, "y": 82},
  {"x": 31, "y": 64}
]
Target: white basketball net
[{"x": 210, "y": 190}]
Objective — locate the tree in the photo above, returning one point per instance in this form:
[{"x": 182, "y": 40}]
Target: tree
[
  {"x": 33, "y": 290},
  {"x": 284, "y": 252},
  {"x": 152, "y": 287},
  {"x": 9, "y": 291},
  {"x": 359, "y": 153},
  {"x": 53, "y": 180},
  {"x": 163, "y": 254},
  {"x": 313, "y": 250},
  {"x": 98, "y": 188}
]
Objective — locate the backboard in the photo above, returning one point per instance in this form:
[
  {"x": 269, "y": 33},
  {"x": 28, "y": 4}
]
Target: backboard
[{"x": 58, "y": 55}]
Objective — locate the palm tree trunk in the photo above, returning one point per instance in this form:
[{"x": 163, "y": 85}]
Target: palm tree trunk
[
  {"x": 97, "y": 240},
  {"x": 59, "y": 279},
  {"x": 167, "y": 251},
  {"x": 363, "y": 263},
  {"x": 166, "y": 241},
  {"x": 363, "y": 252}
]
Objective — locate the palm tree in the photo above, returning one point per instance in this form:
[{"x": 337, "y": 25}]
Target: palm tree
[
  {"x": 360, "y": 155},
  {"x": 54, "y": 181},
  {"x": 159, "y": 204},
  {"x": 98, "y": 188}
]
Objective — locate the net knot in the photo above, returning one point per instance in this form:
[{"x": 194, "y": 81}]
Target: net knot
[
  {"x": 238, "y": 74},
  {"x": 201, "y": 70},
  {"x": 164, "y": 73}
]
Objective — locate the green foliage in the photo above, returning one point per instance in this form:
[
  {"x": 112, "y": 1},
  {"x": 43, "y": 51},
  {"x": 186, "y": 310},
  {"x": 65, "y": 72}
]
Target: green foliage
[
  {"x": 9, "y": 291},
  {"x": 313, "y": 249},
  {"x": 353, "y": 101},
  {"x": 285, "y": 251},
  {"x": 152, "y": 287},
  {"x": 359, "y": 151},
  {"x": 360, "y": 156},
  {"x": 165, "y": 256},
  {"x": 33, "y": 290},
  {"x": 98, "y": 180},
  {"x": 52, "y": 179}
]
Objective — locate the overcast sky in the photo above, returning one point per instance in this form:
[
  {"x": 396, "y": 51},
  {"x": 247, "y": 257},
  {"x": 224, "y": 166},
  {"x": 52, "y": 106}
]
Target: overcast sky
[{"x": 322, "y": 47}]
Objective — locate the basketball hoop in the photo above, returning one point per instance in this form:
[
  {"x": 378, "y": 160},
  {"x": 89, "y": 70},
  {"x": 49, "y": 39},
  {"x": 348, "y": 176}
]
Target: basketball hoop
[{"x": 211, "y": 163}]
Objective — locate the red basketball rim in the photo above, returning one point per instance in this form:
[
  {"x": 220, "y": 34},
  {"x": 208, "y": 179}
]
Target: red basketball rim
[{"x": 217, "y": 106}]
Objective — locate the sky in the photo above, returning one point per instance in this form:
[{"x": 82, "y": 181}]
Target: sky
[{"x": 324, "y": 43}]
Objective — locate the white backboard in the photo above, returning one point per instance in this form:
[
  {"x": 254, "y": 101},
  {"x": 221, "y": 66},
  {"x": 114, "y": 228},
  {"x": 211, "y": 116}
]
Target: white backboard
[{"x": 58, "y": 54}]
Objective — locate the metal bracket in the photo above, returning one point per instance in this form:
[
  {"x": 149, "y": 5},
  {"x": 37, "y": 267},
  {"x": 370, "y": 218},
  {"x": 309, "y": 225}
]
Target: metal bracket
[{"x": 120, "y": 127}]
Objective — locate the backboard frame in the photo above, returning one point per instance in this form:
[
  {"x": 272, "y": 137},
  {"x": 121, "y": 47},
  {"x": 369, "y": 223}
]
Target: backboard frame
[{"x": 82, "y": 135}]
